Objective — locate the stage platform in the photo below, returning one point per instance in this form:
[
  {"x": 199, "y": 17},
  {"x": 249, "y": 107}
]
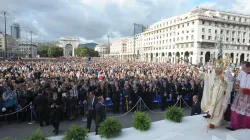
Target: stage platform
[{"x": 191, "y": 128}]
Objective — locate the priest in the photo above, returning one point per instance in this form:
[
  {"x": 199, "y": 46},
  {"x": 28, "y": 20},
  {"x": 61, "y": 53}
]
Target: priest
[
  {"x": 216, "y": 94},
  {"x": 240, "y": 110}
]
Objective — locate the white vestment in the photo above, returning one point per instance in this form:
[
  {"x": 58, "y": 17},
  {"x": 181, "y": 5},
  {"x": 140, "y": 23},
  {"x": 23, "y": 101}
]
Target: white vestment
[
  {"x": 241, "y": 104},
  {"x": 216, "y": 96}
]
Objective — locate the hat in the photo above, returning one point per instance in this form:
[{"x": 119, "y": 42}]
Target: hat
[{"x": 219, "y": 64}]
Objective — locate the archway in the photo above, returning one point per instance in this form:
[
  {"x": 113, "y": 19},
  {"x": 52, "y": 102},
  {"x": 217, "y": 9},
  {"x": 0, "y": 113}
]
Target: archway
[
  {"x": 169, "y": 57},
  {"x": 232, "y": 57},
  {"x": 151, "y": 57},
  {"x": 157, "y": 58},
  {"x": 177, "y": 55},
  {"x": 68, "y": 50},
  {"x": 207, "y": 57},
  {"x": 242, "y": 57},
  {"x": 169, "y": 54},
  {"x": 162, "y": 57},
  {"x": 186, "y": 56}
]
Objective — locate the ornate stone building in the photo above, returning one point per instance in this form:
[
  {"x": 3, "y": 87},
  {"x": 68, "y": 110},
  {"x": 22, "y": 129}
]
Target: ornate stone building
[{"x": 194, "y": 36}]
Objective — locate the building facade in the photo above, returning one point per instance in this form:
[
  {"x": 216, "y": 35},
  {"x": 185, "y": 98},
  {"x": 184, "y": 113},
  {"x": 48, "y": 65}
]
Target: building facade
[
  {"x": 194, "y": 37},
  {"x": 118, "y": 48},
  {"x": 15, "y": 31},
  {"x": 12, "y": 46},
  {"x": 28, "y": 50},
  {"x": 103, "y": 49}
]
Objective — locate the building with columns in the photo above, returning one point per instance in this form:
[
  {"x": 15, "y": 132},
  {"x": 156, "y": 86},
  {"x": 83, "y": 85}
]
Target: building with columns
[
  {"x": 193, "y": 36},
  {"x": 103, "y": 49}
]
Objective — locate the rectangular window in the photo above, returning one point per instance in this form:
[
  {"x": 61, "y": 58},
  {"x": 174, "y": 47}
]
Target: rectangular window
[
  {"x": 203, "y": 29},
  {"x": 209, "y": 37},
  {"x": 209, "y": 30},
  {"x": 215, "y": 31},
  {"x": 202, "y": 36}
]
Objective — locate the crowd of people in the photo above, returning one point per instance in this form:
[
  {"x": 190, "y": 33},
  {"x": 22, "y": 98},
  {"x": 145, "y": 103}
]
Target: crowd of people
[{"x": 64, "y": 88}]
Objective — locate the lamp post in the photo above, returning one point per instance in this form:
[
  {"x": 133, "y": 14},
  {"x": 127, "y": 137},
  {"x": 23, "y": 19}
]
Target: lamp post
[
  {"x": 31, "y": 44},
  {"x": 5, "y": 14},
  {"x": 142, "y": 29}
]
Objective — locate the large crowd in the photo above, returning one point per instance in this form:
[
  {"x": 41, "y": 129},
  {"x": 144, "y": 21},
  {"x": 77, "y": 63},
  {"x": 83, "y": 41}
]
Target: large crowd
[{"x": 42, "y": 82}]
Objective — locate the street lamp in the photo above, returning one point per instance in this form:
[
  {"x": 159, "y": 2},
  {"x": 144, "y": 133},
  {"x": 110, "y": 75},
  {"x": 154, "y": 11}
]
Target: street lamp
[
  {"x": 31, "y": 44},
  {"x": 142, "y": 27},
  {"x": 5, "y": 14}
]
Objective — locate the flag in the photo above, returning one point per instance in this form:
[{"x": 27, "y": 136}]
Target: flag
[{"x": 33, "y": 111}]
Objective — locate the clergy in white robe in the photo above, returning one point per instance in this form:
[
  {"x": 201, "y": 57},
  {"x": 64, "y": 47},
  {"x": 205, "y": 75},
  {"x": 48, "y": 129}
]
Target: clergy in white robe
[
  {"x": 216, "y": 94},
  {"x": 240, "y": 115}
]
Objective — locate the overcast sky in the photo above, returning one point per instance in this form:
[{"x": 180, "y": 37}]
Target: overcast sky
[{"x": 94, "y": 20}]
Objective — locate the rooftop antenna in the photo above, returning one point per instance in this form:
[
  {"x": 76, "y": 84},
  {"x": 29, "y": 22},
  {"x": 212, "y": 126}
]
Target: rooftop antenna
[{"x": 14, "y": 19}]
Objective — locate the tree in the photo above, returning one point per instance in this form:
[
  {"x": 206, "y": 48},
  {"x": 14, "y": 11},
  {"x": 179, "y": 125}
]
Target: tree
[
  {"x": 86, "y": 52},
  {"x": 55, "y": 51},
  {"x": 43, "y": 51}
]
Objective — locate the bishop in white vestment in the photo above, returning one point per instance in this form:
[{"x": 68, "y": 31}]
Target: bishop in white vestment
[
  {"x": 240, "y": 115},
  {"x": 216, "y": 94}
]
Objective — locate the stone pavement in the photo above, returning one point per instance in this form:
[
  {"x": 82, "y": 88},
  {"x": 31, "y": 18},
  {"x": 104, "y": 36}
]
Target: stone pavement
[{"x": 21, "y": 130}]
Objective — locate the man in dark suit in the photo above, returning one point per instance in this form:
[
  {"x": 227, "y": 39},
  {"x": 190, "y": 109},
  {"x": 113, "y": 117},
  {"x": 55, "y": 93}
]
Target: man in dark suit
[
  {"x": 100, "y": 113},
  {"x": 92, "y": 100},
  {"x": 82, "y": 96},
  {"x": 56, "y": 109},
  {"x": 196, "y": 107},
  {"x": 41, "y": 106}
]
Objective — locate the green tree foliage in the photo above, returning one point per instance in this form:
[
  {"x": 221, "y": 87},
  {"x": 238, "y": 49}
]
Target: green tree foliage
[
  {"x": 86, "y": 52},
  {"x": 43, "y": 51},
  {"x": 7, "y": 138},
  {"x": 55, "y": 51}
]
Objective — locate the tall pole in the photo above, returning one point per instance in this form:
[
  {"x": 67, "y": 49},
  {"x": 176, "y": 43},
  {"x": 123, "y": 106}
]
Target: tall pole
[
  {"x": 134, "y": 42},
  {"x": 108, "y": 46},
  {"x": 31, "y": 44},
  {"x": 4, "y": 13}
]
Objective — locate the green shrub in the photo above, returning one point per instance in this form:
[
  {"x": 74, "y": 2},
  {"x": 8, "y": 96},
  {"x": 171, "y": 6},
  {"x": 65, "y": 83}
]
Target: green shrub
[
  {"x": 7, "y": 138},
  {"x": 110, "y": 128},
  {"x": 141, "y": 121},
  {"x": 37, "y": 135},
  {"x": 174, "y": 114},
  {"x": 76, "y": 133}
]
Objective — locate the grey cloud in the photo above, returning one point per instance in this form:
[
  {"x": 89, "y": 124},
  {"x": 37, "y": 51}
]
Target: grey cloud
[{"x": 50, "y": 19}]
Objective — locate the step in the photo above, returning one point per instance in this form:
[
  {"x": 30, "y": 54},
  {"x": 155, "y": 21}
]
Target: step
[
  {"x": 215, "y": 138},
  {"x": 230, "y": 137}
]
